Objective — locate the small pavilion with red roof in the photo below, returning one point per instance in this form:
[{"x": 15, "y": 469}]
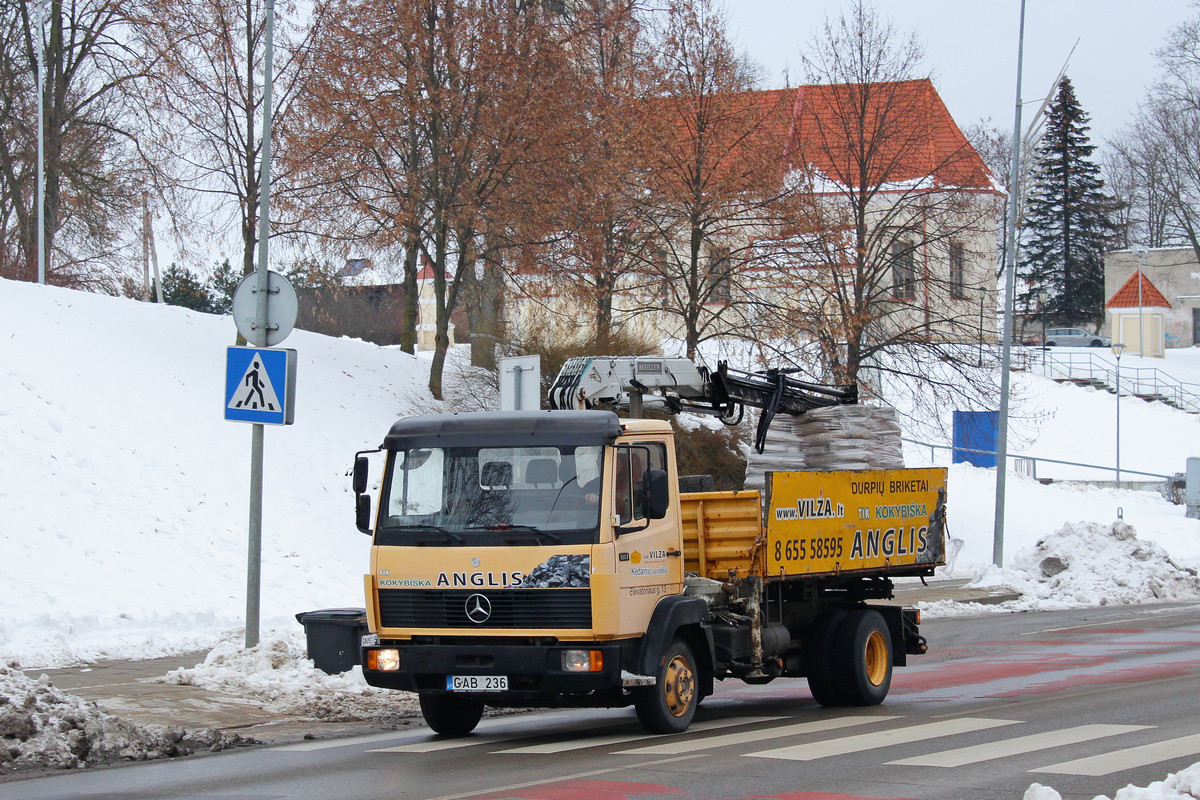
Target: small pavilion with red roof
[{"x": 1137, "y": 316}]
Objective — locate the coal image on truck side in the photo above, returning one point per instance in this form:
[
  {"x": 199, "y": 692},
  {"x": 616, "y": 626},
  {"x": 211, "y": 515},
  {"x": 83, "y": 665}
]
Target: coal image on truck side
[{"x": 560, "y": 572}]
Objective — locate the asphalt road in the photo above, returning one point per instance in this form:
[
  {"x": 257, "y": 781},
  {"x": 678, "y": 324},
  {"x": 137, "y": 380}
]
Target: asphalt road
[{"x": 1085, "y": 701}]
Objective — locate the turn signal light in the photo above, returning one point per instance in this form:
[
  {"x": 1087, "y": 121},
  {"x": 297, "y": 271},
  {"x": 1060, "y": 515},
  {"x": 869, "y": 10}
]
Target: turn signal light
[
  {"x": 386, "y": 660},
  {"x": 583, "y": 661}
]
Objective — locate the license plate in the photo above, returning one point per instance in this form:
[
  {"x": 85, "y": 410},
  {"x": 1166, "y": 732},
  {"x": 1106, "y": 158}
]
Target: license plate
[{"x": 477, "y": 683}]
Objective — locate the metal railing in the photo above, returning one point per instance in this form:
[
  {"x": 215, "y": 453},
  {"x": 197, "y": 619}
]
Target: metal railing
[
  {"x": 1149, "y": 383},
  {"x": 1028, "y": 465}
]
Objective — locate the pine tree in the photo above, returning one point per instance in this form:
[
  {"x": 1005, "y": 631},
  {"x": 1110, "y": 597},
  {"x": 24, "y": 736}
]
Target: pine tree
[
  {"x": 1068, "y": 222},
  {"x": 182, "y": 288},
  {"x": 222, "y": 284}
]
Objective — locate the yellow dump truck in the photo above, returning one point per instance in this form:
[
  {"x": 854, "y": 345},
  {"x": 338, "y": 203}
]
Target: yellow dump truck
[{"x": 548, "y": 558}]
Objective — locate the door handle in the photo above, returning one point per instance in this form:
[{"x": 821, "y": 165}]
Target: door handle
[{"x": 674, "y": 553}]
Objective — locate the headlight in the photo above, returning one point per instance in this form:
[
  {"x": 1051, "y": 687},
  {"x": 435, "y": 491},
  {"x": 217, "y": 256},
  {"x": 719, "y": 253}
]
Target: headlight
[
  {"x": 386, "y": 660},
  {"x": 582, "y": 661}
]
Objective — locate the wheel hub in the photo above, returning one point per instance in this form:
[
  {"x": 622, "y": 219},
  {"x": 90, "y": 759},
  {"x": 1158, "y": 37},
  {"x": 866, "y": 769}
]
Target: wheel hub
[
  {"x": 679, "y": 685},
  {"x": 876, "y": 658}
]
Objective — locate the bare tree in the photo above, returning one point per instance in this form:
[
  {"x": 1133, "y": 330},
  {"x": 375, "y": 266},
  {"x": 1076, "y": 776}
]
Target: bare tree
[
  {"x": 92, "y": 62},
  {"x": 582, "y": 242},
  {"x": 1159, "y": 154},
  {"x": 898, "y": 273},
  {"x": 206, "y": 120},
  {"x": 432, "y": 127},
  {"x": 716, "y": 178}
]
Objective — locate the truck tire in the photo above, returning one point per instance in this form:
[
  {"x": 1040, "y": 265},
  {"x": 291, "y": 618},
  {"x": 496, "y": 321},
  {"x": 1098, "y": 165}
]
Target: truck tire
[
  {"x": 863, "y": 655},
  {"x": 450, "y": 714},
  {"x": 669, "y": 705},
  {"x": 820, "y": 667}
]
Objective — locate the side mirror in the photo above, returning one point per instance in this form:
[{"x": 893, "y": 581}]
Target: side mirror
[
  {"x": 360, "y": 475},
  {"x": 658, "y": 493},
  {"x": 362, "y": 513}
]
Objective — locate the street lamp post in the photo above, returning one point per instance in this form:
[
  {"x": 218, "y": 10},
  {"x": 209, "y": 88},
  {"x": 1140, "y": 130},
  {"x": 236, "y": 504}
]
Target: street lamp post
[
  {"x": 1117, "y": 348},
  {"x": 1041, "y": 307},
  {"x": 1141, "y": 271}
]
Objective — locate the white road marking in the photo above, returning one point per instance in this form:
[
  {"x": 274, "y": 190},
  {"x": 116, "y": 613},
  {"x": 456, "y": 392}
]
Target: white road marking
[
  {"x": 1017, "y": 746},
  {"x": 326, "y": 744},
  {"x": 602, "y": 741},
  {"x": 756, "y": 735},
  {"x": 1108, "y": 763},
  {"x": 481, "y": 736},
  {"x": 871, "y": 741}
]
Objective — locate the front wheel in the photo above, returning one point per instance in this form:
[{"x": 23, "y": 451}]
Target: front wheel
[
  {"x": 450, "y": 714},
  {"x": 669, "y": 705},
  {"x": 864, "y": 658}
]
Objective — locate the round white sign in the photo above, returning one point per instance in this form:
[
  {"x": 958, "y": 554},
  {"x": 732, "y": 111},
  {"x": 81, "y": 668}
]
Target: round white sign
[{"x": 282, "y": 308}]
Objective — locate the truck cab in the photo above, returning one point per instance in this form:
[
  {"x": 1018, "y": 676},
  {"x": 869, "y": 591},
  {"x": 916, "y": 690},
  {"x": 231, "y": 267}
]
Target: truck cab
[{"x": 519, "y": 559}]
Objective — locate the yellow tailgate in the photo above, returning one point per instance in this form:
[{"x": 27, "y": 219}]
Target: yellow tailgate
[{"x": 838, "y": 522}]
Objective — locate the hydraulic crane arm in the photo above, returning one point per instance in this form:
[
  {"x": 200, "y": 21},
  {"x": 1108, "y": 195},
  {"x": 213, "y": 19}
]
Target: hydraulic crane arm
[{"x": 678, "y": 385}]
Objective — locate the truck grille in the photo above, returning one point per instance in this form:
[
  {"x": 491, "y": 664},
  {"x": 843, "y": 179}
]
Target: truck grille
[{"x": 520, "y": 608}]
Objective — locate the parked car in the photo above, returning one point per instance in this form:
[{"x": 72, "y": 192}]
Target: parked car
[{"x": 1074, "y": 337}]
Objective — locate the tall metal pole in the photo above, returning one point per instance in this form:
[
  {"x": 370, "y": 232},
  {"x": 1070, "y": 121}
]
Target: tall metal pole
[
  {"x": 41, "y": 156},
  {"x": 254, "y": 557},
  {"x": 1118, "y": 419},
  {"x": 1141, "y": 274},
  {"x": 1009, "y": 291}
]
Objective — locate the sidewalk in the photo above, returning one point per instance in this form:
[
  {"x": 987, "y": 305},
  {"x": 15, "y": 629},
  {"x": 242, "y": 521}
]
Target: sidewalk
[{"x": 131, "y": 689}]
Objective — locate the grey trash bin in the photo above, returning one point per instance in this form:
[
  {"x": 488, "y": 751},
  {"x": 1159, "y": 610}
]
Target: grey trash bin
[{"x": 334, "y": 636}]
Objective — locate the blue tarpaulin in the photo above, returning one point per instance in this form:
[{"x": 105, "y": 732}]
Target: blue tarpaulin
[{"x": 975, "y": 431}]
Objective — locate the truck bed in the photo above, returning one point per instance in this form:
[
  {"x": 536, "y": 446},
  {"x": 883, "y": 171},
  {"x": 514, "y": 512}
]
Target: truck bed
[{"x": 869, "y": 522}]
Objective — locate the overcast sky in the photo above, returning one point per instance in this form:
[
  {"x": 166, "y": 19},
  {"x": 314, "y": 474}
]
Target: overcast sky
[{"x": 971, "y": 49}]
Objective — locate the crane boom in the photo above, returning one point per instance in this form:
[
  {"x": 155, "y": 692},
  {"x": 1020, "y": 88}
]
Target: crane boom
[{"x": 678, "y": 384}]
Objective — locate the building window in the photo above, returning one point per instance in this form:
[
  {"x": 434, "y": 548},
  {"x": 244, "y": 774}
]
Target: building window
[
  {"x": 719, "y": 269},
  {"x": 904, "y": 273},
  {"x": 958, "y": 261}
]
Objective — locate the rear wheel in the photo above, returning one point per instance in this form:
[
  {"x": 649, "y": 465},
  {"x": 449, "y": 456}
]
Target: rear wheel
[
  {"x": 669, "y": 705},
  {"x": 824, "y": 680},
  {"x": 451, "y": 714},
  {"x": 863, "y": 654}
]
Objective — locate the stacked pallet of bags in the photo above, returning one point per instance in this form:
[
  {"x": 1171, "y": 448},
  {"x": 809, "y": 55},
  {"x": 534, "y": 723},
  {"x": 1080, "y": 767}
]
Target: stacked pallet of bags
[{"x": 829, "y": 439}]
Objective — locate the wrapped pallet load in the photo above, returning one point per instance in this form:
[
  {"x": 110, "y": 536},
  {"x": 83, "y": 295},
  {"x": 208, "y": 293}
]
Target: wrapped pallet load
[{"x": 827, "y": 440}]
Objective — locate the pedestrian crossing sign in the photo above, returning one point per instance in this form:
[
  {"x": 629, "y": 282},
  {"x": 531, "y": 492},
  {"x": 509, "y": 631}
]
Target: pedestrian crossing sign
[{"x": 260, "y": 385}]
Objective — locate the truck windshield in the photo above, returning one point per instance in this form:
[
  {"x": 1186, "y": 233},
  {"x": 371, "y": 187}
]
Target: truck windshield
[{"x": 491, "y": 496}]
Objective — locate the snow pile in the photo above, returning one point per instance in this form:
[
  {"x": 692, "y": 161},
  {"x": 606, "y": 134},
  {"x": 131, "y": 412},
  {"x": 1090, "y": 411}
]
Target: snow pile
[
  {"x": 1182, "y": 785},
  {"x": 42, "y": 726},
  {"x": 278, "y": 674},
  {"x": 1085, "y": 564}
]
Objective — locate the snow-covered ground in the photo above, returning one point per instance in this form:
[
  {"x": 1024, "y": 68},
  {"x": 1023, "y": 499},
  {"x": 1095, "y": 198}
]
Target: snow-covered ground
[{"x": 124, "y": 497}]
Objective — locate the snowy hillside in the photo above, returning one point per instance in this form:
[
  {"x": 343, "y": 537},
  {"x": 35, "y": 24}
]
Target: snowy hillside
[{"x": 124, "y": 492}]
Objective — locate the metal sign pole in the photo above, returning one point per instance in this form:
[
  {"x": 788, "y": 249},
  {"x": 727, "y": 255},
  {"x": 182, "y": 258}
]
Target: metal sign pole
[
  {"x": 1009, "y": 291},
  {"x": 262, "y": 319},
  {"x": 41, "y": 123}
]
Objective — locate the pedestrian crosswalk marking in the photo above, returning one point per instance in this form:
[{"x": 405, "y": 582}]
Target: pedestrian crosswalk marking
[
  {"x": 1021, "y": 744},
  {"x": 1130, "y": 758},
  {"x": 602, "y": 741},
  {"x": 255, "y": 391},
  {"x": 756, "y": 735},
  {"x": 478, "y": 738},
  {"x": 871, "y": 741}
]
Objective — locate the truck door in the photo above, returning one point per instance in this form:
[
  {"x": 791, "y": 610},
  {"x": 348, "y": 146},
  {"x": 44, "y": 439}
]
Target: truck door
[{"x": 649, "y": 561}]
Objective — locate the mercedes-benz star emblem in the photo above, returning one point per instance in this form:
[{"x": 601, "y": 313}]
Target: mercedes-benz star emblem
[{"x": 479, "y": 609}]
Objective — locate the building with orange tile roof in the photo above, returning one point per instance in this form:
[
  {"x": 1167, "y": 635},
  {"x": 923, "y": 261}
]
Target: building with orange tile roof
[{"x": 1167, "y": 280}]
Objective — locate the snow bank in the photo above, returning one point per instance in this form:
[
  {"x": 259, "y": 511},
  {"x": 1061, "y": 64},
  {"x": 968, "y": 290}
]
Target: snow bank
[
  {"x": 277, "y": 674},
  {"x": 1082, "y": 564},
  {"x": 1182, "y": 785},
  {"x": 42, "y": 726}
]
